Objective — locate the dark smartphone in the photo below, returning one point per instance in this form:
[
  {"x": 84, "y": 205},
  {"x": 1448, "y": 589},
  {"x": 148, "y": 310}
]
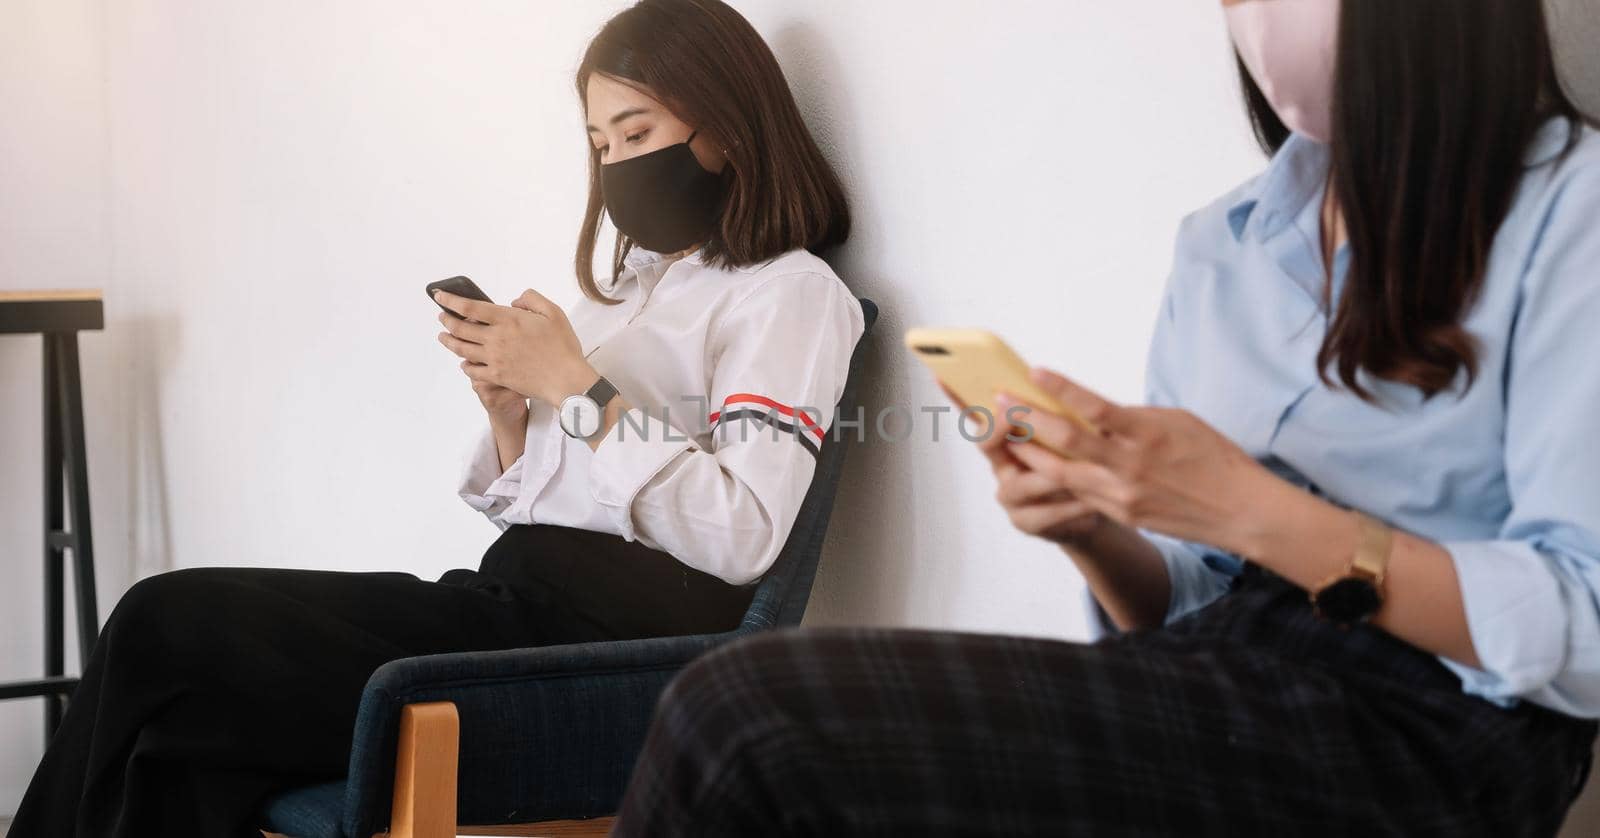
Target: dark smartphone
[{"x": 460, "y": 286}]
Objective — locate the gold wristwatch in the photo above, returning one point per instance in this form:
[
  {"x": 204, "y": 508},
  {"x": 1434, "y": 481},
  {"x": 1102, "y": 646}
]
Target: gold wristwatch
[{"x": 1354, "y": 594}]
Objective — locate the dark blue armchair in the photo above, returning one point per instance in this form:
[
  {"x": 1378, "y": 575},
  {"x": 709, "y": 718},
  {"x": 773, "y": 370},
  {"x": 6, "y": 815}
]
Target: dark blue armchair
[{"x": 543, "y": 734}]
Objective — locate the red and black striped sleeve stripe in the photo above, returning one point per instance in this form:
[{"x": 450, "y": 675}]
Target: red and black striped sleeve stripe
[{"x": 785, "y": 418}]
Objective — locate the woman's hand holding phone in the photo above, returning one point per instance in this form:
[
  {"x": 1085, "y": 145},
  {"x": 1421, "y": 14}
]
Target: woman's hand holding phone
[
  {"x": 1153, "y": 468},
  {"x": 1091, "y": 475},
  {"x": 1036, "y": 503},
  {"x": 499, "y": 402},
  {"x": 971, "y": 366},
  {"x": 1140, "y": 467},
  {"x": 528, "y": 348}
]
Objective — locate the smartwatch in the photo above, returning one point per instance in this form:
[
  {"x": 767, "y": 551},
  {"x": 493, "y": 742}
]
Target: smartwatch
[{"x": 581, "y": 414}]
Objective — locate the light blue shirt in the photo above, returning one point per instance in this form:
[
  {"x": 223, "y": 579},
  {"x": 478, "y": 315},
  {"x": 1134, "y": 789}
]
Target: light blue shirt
[{"x": 1506, "y": 477}]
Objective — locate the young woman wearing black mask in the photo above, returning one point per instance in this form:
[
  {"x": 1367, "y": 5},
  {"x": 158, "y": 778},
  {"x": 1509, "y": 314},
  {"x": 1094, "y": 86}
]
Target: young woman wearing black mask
[
  {"x": 1349, "y": 555},
  {"x": 629, "y": 458}
]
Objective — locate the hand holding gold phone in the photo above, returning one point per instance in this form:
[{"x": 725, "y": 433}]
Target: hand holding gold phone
[{"x": 975, "y": 364}]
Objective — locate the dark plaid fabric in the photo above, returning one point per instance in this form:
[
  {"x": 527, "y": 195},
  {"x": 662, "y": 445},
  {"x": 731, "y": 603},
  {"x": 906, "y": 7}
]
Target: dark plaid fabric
[{"x": 1248, "y": 717}]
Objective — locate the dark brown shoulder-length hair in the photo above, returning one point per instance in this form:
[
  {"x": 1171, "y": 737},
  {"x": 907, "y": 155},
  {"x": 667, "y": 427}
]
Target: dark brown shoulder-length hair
[
  {"x": 709, "y": 66},
  {"x": 1435, "y": 105}
]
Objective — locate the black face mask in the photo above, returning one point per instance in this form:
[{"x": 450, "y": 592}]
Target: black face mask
[{"x": 665, "y": 200}]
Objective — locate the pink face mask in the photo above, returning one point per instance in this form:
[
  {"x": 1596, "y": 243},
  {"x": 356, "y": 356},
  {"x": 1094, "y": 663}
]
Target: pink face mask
[{"x": 1289, "y": 47}]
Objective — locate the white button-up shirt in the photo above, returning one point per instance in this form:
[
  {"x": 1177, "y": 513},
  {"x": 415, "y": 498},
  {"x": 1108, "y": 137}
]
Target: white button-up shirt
[{"x": 732, "y": 376}]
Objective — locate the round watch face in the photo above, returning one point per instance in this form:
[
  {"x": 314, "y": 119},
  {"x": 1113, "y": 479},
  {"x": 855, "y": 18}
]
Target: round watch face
[
  {"x": 580, "y": 416},
  {"x": 1349, "y": 600}
]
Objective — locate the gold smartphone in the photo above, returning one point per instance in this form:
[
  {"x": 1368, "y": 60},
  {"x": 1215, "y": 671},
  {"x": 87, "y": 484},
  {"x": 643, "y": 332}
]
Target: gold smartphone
[{"x": 974, "y": 364}]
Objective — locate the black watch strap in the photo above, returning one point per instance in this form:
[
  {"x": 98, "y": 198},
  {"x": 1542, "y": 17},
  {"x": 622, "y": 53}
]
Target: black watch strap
[{"x": 602, "y": 392}]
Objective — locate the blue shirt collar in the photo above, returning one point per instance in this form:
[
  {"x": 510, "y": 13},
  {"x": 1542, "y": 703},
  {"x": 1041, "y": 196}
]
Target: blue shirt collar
[
  {"x": 1296, "y": 173},
  {"x": 1549, "y": 141},
  {"x": 1271, "y": 201}
]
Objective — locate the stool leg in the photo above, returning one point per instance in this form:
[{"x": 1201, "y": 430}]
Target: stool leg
[
  {"x": 54, "y": 522},
  {"x": 78, "y": 468}
]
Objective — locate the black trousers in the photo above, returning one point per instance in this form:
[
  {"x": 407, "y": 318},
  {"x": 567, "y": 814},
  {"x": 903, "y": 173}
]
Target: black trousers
[
  {"x": 211, "y": 689},
  {"x": 1248, "y": 717}
]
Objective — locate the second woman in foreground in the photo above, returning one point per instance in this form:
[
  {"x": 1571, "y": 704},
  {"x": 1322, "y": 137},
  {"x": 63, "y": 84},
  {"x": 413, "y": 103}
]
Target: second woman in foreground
[{"x": 1373, "y": 386}]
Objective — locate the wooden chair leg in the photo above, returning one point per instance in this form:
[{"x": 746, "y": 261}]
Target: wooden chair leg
[
  {"x": 425, "y": 784},
  {"x": 425, "y": 772}
]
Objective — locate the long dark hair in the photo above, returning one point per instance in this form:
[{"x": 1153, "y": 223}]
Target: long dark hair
[
  {"x": 1435, "y": 105},
  {"x": 711, "y": 68}
]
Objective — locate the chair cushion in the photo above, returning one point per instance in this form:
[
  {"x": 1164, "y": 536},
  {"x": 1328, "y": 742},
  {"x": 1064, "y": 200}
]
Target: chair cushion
[{"x": 308, "y": 812}]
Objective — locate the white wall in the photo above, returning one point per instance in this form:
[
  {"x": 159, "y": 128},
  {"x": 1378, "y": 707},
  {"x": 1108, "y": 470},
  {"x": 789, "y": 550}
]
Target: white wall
[
  {"x": 1015, "y": 166},
  {"x": 263, "y": 189},
  {"x": 54, "y": 233}
]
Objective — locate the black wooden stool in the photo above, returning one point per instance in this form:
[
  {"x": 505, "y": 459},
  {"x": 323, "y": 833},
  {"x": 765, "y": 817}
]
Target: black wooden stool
[{"x": 59, "y": 316}]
